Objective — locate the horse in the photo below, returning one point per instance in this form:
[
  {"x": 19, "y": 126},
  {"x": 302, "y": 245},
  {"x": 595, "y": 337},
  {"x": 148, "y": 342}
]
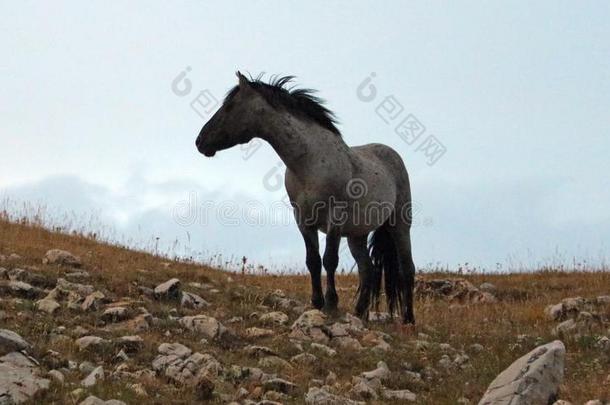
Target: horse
[{"x": 339, "y": 190}]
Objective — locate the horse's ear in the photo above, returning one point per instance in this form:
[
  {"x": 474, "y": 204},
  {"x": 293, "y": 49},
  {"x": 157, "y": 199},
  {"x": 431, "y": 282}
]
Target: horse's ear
[{"x": 243, "y": 81}]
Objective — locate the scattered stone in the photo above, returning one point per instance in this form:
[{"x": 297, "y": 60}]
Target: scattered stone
[
  {"x": 174, "y": 349},
  {"x": 168, "y": 290},
  {"x": 382, "y": 372},
  {"x": 90, "y": 342},
  {"x": 210, "y": 327},
  {"x": 258, "y": 351},
  {"x": 554, "y": 312},
  {"x": 398, "y": 395},
  {"x": 190, "y": 300},
  {"x": 139, "y": 389},
  {"x": 347, "y": 343},
  {"x": 19, "y": 378},
  {"x": 274, "y": 362},
  {"x": 131, "y": 344},
  {"x": 531, "y": 380},
  {"x": 93, "y": 301},
  {"x": 256, "y": 333},
  {"x": 452, "y": 290},
  {"x": 121, "y": 356},
  {"x": 96, "y": 375},
  {"x": 56, "y": 376},
  {"x": 235, "y": 319},
  {"x": 309, "y": 327},
  {"x": 477, "y": 348},
  {"x": 488, "y": 288},
  {"x": 323, "y": 349},
  {"x": 304, "y": 359},
  {"x": 276, "y": 318},
  {"x": 175, "y": 363},
  {"x": 115, "y": 314},
  {"x": 363, "y": 390},
  {"x": 280, "y": 385},
  {"x": 320, "y": 396},
  {"x": 17, "y": 274},
  {"x": 20, "y": 289},
  {"x": 81, "y": 289},
  {"x": 93, "y": 400},
  {"x": 61, "y": 257},
  {"x": 11, "y": 342},
  {"x": 140, "y": 323},
  {"x": 86, "y": 367},
  {"x": 48, "y": 305}
]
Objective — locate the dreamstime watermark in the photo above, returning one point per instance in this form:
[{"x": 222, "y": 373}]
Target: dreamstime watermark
[
  {"x": 406, "y": 126},
  {"x": 355, "y": 211}
]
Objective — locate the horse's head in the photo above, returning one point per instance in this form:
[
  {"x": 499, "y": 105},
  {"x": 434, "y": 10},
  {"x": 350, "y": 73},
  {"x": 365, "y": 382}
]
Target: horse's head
[{"x": 236, "y": 122}]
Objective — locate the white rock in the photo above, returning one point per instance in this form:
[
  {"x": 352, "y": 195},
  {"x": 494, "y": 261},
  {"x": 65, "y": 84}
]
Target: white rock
[
  {"x": 382, "y": 372},
  {"x": 93, "y": 301},
  {"x": 47, "y": 305},
  {"x": 174, "y": 349},
  {"x": 11, "y": 341},
  {"x": 531, "y": 380},
  {"x": 399, "y": 395},
  {"x": 88, "y": 342},
  {"x": 57, "y": 376},
  {"x": 96, "y": 375},
  {"x": 323, "y": 349},
  {"x": 169, "y": 289},
  {"x": 115, "y": 314},
  {"x": 554, "y": 312},
  {"x": 276, "y": 317},
  {"x": 309, "y": 326},
  {"x": 255, "y": 332},
  {"x": 487, "y": 287},
  {"x": 93, "y": 400},
  {"x": 61, "y": 257},
  {"x": 190, "y": 300},
  {"x": 210, "y": 327},
  {"x": 319, "y": 396},
  {"x": 19, "y": 379}
]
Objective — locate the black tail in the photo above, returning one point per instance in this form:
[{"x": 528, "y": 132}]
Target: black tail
[{"x": 385, "y": 260}]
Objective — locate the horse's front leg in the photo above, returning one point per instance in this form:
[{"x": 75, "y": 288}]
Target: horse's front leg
[
  {"x": 331, "y": 261},
  {"x": 314, "y": 265}
]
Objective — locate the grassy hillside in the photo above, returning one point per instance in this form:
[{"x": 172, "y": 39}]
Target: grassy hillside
[{"x": 506, "y": 329}]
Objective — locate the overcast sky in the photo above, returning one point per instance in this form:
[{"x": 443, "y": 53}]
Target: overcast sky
[{"x": 97, "y": 121}]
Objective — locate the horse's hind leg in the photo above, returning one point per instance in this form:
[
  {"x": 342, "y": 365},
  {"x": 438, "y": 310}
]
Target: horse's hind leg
[
  {"x": 314, "y": 265},
  {"x": 402, "y": 239},
  {"x": 330, "y": 262},
  {"x": 358, "y": 248}
]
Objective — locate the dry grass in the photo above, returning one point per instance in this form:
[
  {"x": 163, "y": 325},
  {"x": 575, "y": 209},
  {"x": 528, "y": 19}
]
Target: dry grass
[{"x": 523, "y": 298}]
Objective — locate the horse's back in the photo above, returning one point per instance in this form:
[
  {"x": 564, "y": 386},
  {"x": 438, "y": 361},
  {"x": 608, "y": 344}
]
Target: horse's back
[{"x": 383, "y": 154}]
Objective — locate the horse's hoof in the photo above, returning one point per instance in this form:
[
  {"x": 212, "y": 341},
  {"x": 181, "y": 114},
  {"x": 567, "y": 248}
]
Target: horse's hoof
[
  {"x": 408, "y": 320},
  {"x": 317, "y": 303},
  {"x": 362, "y": 314},
  {"x": 331, "y": 309}
]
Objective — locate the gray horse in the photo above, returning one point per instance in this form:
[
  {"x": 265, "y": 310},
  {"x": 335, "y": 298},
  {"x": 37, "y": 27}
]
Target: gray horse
[{"x": 340, "y": 190}]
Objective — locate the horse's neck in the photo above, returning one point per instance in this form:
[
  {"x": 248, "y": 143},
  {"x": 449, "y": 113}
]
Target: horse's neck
[{"x": 304, "y": 146}]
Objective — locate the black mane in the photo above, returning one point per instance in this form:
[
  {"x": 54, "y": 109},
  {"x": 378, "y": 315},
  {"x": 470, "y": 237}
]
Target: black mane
[{"x": 300, "y": 102}]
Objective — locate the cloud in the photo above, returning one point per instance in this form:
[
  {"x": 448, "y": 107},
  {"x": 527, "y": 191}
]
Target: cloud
[{"x": 519, "y": 223}]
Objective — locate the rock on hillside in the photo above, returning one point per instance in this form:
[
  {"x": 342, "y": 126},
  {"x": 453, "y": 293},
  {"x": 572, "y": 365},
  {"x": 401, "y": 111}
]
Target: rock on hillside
[{"x": 531, "y": 380}]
